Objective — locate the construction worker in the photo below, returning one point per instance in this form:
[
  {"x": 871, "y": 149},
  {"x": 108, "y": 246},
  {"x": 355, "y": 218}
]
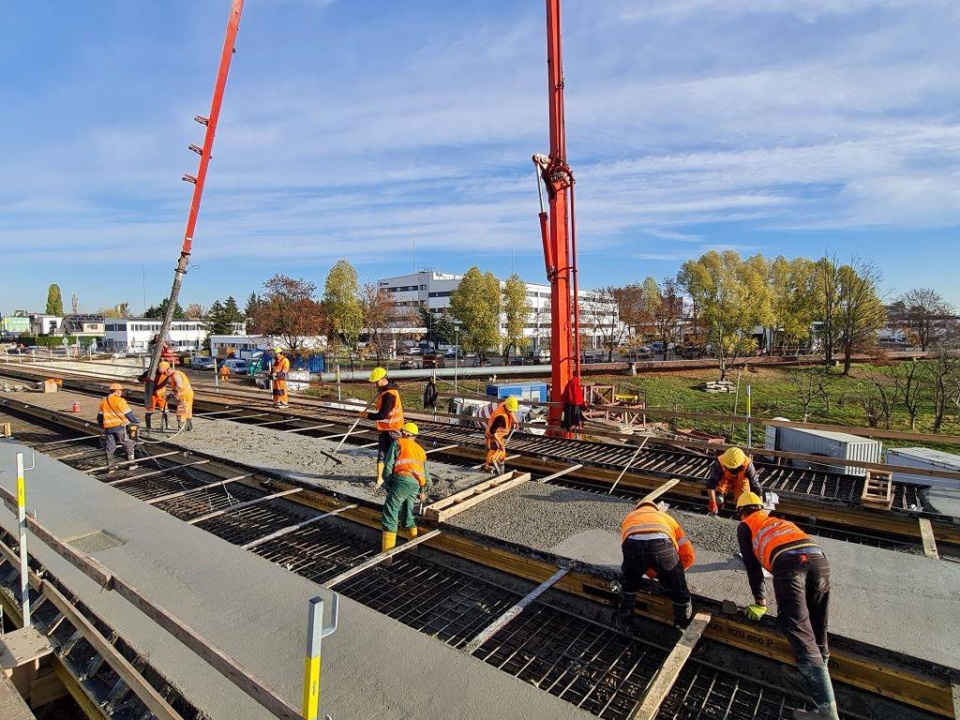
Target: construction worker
[
  {"x": 732, "y": 472},
  {"x": 407, "y": 479},
  {"x": 654, "y": 544},
  {"x": 119, "y": 425},
  {"x": 224, "y": 373},
  {"x": 801, "y": 586},
  {"x": 179, "y": 384},
  {"x": 157, "y": 401},
  {"x": 278, "y": 374},
  {"x": 388, "y": 416},
  {"x": 502, "y": 421}
]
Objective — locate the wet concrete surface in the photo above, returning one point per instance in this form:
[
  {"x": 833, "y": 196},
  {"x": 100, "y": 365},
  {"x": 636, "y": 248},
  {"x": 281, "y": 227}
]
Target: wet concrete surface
[{"x": 894, "y": 600}]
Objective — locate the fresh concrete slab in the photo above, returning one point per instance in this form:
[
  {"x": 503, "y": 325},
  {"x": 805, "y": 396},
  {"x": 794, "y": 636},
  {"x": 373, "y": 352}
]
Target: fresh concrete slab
[
  {"x": 908, "y": 603},
  {"x": 256, "y": 612}
]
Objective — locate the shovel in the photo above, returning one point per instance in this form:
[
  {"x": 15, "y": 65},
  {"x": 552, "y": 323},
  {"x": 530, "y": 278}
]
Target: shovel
[{"x": 352, "y": 427}]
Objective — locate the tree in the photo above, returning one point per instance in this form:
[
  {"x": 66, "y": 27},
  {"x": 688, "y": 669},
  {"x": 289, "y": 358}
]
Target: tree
[
  {"x": 826, "y": 304},
  {"x": 158, "y": 311},
  {"x": 440, "y": 328},
  {"x": 194, "y": 311},
  {"x": 946, "y": 386},
  {"x": 377, "y": 312},
  {"x": 232, "y": 311},
  {"x": 923, "y": 311},
  {"x": 860, "y": 311},
  {"x": 601, "y": 316},
  {"x": 732, "y": 297},
  {"x": 289, "y": 311},
  {"x": 909, "y": 378},
  {"x": 667, "y": 311},
  {"x": 216, "y": 320},
  {"x": 54, "y": 301},
  {"x": 251, "y": 306},
  {"x": 341, "y": 303},
  {"x": 517, "y": 309},
  {"x": 476, "y": 304},
  {"x": 632, "y": 309},
  {"x": 793, "y": 285}
]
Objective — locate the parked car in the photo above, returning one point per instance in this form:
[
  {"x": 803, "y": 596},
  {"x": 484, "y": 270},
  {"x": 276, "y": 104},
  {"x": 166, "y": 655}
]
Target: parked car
[
  {"x": 237, "y": 366},
  {"x": 14, "y": 350},
  {"x": 203, "y": 362},
  {"x": 481, "y": 362},
  {"x": 519, "y": 360},
  {"x": 409, "y": 363}
]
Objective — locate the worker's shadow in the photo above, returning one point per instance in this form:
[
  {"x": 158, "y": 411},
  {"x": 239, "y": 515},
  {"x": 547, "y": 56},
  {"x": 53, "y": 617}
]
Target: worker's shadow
[{"x": 729, "y": 564}]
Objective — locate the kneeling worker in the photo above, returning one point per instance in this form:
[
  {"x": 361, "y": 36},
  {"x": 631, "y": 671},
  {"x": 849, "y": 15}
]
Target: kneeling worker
[
  {"x": 801, "y": 585},
  {"x": 654, "y": 544},
  {"x": 119, "y": 424},
  {"x": 407, "y": 478},
  {"x": 733, "y": 472}
]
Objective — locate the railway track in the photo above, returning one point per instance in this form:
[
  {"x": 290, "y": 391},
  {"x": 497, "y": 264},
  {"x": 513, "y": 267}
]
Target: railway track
[{"x": 455, "y": 587}]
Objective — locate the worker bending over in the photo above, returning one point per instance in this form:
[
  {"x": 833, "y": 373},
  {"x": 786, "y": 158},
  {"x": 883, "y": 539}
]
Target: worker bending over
[
  {"x": 179, "y": 384},
  {"x": 224, "y": 373},
  {"x": 801, "y": 586},
  {"x": 655, "y": 545},
  {"x": 278, "y": 376},
  {"x": 157, "y": 401},
  {"x": 388, "y": 416},
  {"x": 119, "y": 425},
  {"x": 502, "y": 421},
  {"x": 732, "y": 472},
  {"x": 407, "y": 478}
]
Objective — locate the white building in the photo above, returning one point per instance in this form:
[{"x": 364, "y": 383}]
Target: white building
[
  {"x": 135, "y": 334},
  {"x": 246, "y": 345},
  {"x": 43, "y": 324},
  {"x": 432, "y": 290}
]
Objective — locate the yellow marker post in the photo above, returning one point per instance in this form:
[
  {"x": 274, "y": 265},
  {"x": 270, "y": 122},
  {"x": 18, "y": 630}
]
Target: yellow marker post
[
  {"x": 22, "y": 520},
  {"x": 312, "y": 662}
]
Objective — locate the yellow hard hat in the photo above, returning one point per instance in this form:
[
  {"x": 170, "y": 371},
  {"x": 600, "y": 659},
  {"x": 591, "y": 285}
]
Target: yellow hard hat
[
  {"x": 410, "y": 428},
  {"x": 278, "y": 350},
  {"x": 377, "y": 374},
  {"x": 163, "y": 366},
  {"x": 732, "y": 458},
  {"x": 512, "y": 404},
  {"x": 747, "y": 499},
  {"x": 115, "y": 386}
]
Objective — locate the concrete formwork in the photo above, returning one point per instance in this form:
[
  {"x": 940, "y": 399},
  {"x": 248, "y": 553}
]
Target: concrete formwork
[{"x": 256, "y": 612}]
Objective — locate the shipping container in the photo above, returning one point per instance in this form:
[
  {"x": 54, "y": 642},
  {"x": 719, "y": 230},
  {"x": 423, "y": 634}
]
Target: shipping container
[
  {"x": 924, "y": 459},
  {"x": 534, "y": 392},
  {"x": 826, "y": 443}
]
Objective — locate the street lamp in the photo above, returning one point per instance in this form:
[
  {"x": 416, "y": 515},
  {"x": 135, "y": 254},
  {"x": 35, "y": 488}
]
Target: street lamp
[{"x": 456, "y": 355}]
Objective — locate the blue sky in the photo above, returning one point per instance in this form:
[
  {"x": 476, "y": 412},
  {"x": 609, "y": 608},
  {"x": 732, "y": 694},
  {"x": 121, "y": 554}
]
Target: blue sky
[{"x": 365, "y": 129}]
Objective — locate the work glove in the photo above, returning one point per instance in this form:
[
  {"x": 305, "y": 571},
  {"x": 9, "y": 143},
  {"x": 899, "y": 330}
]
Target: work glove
[
  {"x": 712, "y": 507},
  {"x": 423, "y": 497},
  {"x": 755, "y": 612}
]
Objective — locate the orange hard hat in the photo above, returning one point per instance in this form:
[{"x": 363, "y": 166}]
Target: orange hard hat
[
  {"x": 115, "y": 386},
  {"x": 163, "y": 366}
]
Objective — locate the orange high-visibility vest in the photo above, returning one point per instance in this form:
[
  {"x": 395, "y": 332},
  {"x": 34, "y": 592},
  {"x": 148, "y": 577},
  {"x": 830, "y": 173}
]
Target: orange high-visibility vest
[
  {"x": 647, "y": 519},
  {"x": 394, "y": 421},
  {"x": 411, "y": 460},
  {"x": 727, "y": 475},
  {"x": 280, "y": 365},
  {"x": 501, "y": 411},
  {"x": 180, "y": 383},
  {"x": 770, "y": 533},
  {"x": 114, "y": 410}
]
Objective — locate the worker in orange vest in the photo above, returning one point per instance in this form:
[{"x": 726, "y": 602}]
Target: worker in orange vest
[
  {"x": 157, "y": 401},
  {"x": 407, "y": 478},
  {"x": 732, "y": 472},
  {"x": 179, "y": 384},
  {"x": 388, "y": 416},
  {"x": 801, "y": 586},
  {"x": 501, "y": 422},
  {"x": 224, "y": 373},
  {"x": 119, "y": 425},
  {"x": 278, "y": 374},
  {"x": 654, "y": 544}
]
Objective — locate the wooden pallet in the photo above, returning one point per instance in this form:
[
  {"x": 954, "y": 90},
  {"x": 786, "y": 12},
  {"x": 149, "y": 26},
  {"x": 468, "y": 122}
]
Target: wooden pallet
[
  {"x": 877, "y": 490},
  {"x": 450, "y": 506}
]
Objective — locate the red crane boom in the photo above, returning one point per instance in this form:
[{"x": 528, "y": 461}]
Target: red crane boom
[{"x": 558, "y": 227}]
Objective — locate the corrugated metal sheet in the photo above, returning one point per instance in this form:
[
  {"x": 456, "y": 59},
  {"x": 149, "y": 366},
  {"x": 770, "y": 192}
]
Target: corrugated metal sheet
[
  {"x": 830, "y": 444},
  {"x": 924, "y": 459}
]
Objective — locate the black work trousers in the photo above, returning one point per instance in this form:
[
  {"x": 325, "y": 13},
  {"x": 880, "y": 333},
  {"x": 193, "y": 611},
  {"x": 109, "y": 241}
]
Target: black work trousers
[
  {"x": 801, "y": 584},
  {"x": 384, "y": 440},
  {"x": 659, "y": 555}
]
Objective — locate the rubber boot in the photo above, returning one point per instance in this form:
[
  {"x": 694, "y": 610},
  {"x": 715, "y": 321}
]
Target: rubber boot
[
  {"x": 682, "y": 614},
  {"x": 189, "y": 426},
  {"x": 132, "y": 455},
  {"x": 110, "y": 461},
  {"x": 820, "y": 688},
  {"x": 623, "y": 617},
  {"x": 148, "y": 421},
  {"x": 166, "y": 420},
  {"x": 389, "y": 542},
  {"x": 409, "y": 533},
  {"x": 179, "y": 424},
  {"x": 379, "y": 481}
]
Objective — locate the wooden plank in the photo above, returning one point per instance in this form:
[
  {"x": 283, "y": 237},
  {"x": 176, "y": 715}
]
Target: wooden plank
[
  {"x": 955, "y": 690},
  {"x": 667, "y": 675},
  {"x": 441, "y": 448},
  {"x": 929, "y": 541},
  {"x": 12, "y": 705},
  {"x": 22, "y": 646},
  {"x": 309, "y": 427},
  {"x": 462, "y": 501},
  {"x": 377, "y": 559},
  {"x": 46, "y": 687},
  {"x": 208, "y": 486},
  {"x": 654, "y": 494},
  {"x": 248, "y": 503},
  {"x": 560, "y": 473},
  {"x": 508, "y": 617}
]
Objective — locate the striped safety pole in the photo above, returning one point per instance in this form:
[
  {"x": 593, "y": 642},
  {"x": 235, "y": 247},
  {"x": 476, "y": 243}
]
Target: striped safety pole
[
  {"x": 312, "y": 663},
  {"x": 22, "y": 520}
]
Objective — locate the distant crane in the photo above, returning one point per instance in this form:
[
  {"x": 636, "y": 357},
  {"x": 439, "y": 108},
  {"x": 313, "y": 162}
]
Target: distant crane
[{"x": 558, "y": 228}]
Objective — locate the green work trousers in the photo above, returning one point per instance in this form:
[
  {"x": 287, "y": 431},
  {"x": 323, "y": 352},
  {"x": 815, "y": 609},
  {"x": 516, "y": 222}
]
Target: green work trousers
[{"x": 398, "y": 507}]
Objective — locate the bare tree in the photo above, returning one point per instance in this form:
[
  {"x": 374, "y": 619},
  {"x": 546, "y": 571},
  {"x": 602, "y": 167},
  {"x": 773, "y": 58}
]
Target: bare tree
[
  {"x": 806, "y": 384},
  {"x": 377, "y": 309},
  {"x": 288, "y": 310},
  {"x": 602, "y": 316},
  {"x": 909, "y": 378},
  {"x": 925, "y": 313},
  {"x": 860, "y": 312},
  {"x": 879, "y": 400},
  {"x": 946, "y": 386}
]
